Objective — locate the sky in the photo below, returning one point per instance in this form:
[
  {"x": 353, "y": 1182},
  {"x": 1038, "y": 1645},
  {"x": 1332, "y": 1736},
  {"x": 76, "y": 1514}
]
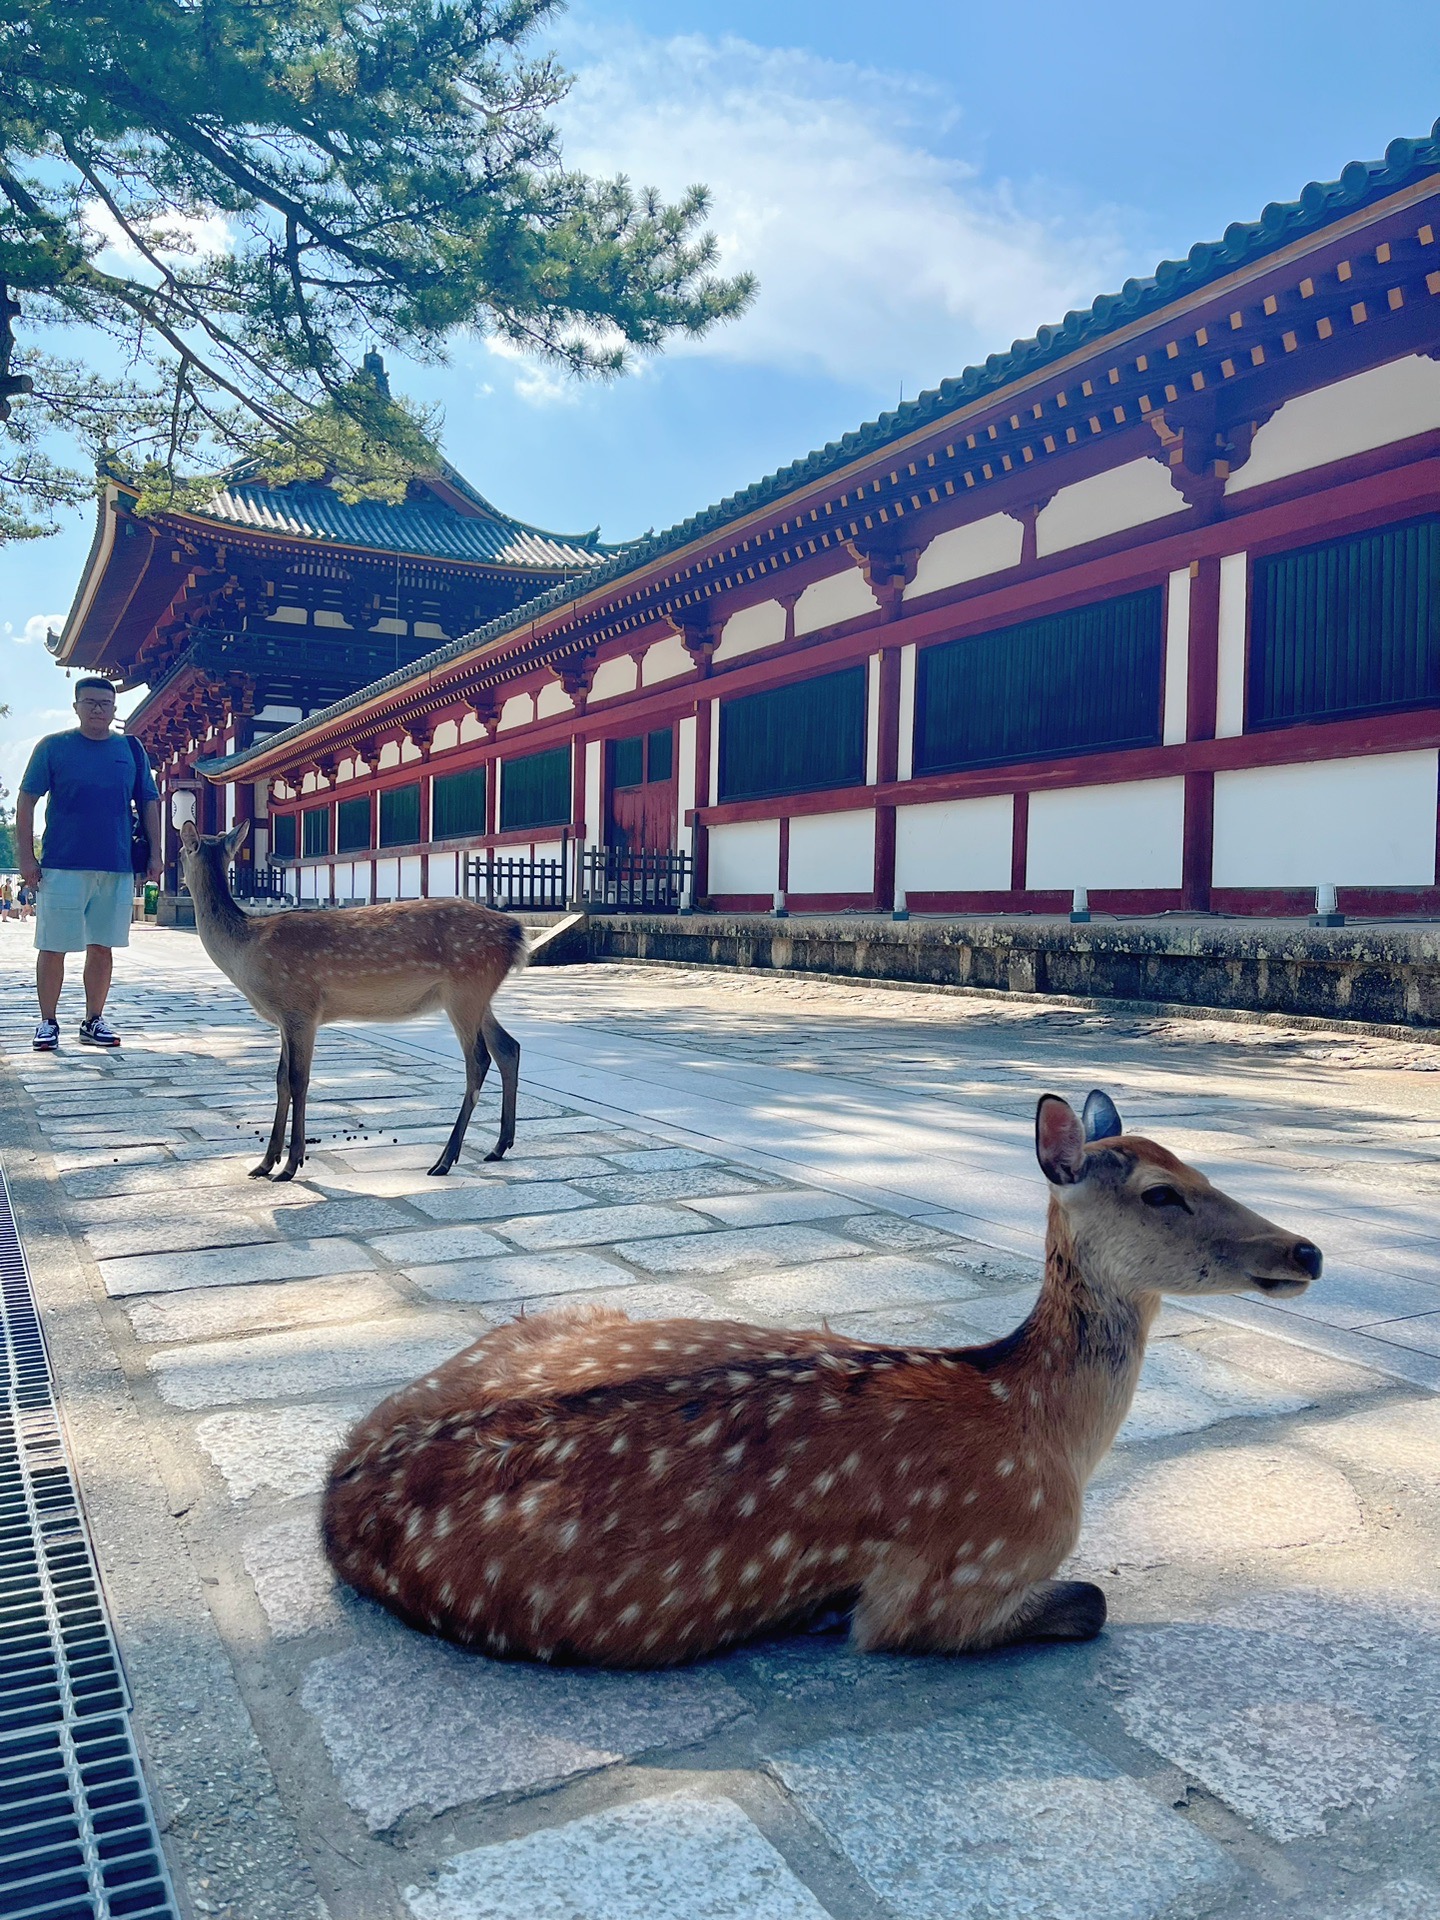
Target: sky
[{"x": 914, "y": 187}]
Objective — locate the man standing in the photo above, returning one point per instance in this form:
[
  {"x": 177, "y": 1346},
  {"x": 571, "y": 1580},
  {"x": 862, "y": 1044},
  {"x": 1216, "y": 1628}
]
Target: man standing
[{"x": 84, "y": 875}]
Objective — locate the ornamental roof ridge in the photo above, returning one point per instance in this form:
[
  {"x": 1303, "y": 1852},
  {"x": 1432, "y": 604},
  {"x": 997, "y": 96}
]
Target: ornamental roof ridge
[{"x": 1320, "y": 204}]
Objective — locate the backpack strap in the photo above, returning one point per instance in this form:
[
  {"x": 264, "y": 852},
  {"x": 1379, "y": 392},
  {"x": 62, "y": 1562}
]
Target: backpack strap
[{"x": 137, "y": 754}]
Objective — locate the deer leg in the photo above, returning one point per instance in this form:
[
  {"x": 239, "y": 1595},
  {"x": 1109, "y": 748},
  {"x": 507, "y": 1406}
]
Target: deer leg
[
  {"x": 302, "y": 1052},
  {"x": 506, "y": 1049},
  {"x": 906, "y": 1607},
  {"x": 282, "y": 1111},
  {"x": 477, "y": 1065}
]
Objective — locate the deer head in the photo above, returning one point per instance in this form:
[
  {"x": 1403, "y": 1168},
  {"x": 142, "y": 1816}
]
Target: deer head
[
  {"x": 1144, "y": 1222},
  {"x": 209, "y": 853}
]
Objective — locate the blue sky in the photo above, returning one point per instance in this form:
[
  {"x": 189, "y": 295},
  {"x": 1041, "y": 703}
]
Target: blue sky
[{"x": 915, "y": 186}]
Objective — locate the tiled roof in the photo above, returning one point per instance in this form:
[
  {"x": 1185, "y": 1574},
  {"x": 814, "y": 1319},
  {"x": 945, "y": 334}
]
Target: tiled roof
[
  {"x": 428, "y": 527},
  {"x": 1243, "y": 243}
]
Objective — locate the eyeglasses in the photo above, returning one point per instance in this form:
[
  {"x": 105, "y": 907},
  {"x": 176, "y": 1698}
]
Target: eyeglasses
[{"x": 97, "y": 706}]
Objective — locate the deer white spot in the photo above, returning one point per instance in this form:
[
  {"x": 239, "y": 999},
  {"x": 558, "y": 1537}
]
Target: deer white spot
[
  {"x": 706, "y": 1434},
  {"x": 568, "y": 1534},
  {"x": 732, "y": 1456},
  {"x": 581, "y": 1606},
  {"x": 1037, "y": 1499},
  {"x": 739, "y": 1380},
  {"x": 620, "y": 1443},
  {"x": 823, "y": 1482},
  {"x": 1004, "y": 1468},
  {"x": 414, "y": 1523},
  {"x": 746, "y": 1505},
  {"x": 999, "y": 1389},
  {"x": 993, "y": 1548},
  {"x": 493, "y": 1571},
  {"x": 630, "y": 1615},
  {"x": 850, "y": 1464},
  {"x": 780, "y": 1546},
  {"x": 750, "y": 1572}
]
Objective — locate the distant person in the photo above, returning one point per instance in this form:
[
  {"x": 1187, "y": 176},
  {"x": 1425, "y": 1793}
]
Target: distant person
[
  {"x": 7, "y": 900},
  {"x": 84, "y": 878}
]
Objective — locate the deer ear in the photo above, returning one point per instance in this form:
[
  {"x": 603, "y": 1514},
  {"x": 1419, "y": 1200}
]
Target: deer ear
[
  {"x": 235, "y": 839},
  {"x": 1102, "y": 1122},
  {"x": 1059, "y": 1141},
  {"x": 189, "y": 838}
]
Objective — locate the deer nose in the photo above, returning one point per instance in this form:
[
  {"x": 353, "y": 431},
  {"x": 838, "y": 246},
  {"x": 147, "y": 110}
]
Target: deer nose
[{"x": 1308, "y": 1257}]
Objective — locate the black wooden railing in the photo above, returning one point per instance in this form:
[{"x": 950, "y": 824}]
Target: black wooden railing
[
  {"x": 613, "y": 880},
  {"x": 516, "y": 885},
  {"x": 257, "y": 883}
]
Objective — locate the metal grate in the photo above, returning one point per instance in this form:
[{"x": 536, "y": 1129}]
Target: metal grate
[{"x": 77, "y": 1835}]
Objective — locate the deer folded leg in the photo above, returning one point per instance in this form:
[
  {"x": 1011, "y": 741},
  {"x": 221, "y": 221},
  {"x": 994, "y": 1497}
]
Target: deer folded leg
[
  {"x": 1061, "y": 1610},
  {"x": 282, "y": 1113},
  {"x": 907, "y": 1607},
  {"x": 506, "y": 1049}
]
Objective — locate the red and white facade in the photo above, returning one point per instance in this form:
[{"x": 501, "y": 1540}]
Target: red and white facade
[{"x": 1290, "y": 400}]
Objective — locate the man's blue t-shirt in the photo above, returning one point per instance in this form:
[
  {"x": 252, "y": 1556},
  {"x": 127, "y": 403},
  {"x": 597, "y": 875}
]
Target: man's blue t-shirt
[{"x": 90, "y": 783}]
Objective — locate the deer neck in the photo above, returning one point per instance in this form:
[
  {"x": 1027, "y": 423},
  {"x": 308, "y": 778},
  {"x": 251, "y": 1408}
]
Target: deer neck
[
  {"x": 1083, "y": 1346},
  {"x": 224, "y": 930}
]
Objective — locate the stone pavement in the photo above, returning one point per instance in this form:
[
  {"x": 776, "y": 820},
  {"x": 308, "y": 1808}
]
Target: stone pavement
[{"x": 1254, "y": 1735}]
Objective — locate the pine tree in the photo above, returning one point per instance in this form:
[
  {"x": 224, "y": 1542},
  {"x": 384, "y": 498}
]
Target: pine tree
[{"x": 275, "y": 185}]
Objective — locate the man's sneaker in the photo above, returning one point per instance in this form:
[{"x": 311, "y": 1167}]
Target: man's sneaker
[
  {"x": 47, "y": 1036},
  {"x": 98, "y": 1033}
]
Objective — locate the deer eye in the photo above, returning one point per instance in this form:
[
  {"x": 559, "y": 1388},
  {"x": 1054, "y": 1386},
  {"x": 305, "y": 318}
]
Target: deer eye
[{"x": 1164, "y": 1197}]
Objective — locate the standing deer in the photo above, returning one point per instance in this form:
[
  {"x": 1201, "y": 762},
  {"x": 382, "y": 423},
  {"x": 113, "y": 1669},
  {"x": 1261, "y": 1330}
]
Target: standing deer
[
  {"x": 300, "y": 970},
  {"x": 583, "y": 1487}
]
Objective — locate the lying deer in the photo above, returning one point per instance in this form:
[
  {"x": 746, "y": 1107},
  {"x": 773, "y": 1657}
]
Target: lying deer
[
  {"x": 583, "y": 1487},
  {"x": 301, "y": 970}
]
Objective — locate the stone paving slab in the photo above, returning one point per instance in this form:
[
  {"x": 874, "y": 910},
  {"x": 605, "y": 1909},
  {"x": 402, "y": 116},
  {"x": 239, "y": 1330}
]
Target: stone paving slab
[
  {"x": 226, "y": 1267},
  {"x": 683, "y": 1855},
  {"x": 728, "y": 1252},
  {"x": 281, "y": 1451},
  {"x": 305, "y": 1360},
  {"x": 414, "y": 1726},
  {"x": 987, "y": 1816}
]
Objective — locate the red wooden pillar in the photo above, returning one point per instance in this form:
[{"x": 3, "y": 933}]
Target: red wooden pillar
[
  {"x": 887, "y": 766},
  {"x": 1019, "y": 842},
  {"x": 703, "y": 748},
  {"x": 1203, "y": 679}
]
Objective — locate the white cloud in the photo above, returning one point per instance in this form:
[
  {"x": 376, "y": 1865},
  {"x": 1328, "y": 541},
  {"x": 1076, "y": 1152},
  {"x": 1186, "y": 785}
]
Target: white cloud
[
  {"x": 34, "y": 630},
  {"x": 174, "y": 239},
  {"x": 879, "y": 258}
]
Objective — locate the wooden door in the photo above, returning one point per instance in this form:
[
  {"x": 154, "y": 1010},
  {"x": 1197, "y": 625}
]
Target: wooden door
[{"x": 641, "y": 783}]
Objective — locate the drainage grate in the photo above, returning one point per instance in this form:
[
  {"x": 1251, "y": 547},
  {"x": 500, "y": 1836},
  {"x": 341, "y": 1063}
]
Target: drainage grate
[{"x": 77, "y": 1836}]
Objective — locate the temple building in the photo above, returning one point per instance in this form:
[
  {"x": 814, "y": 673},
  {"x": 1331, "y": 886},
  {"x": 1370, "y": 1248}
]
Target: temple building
[
  {"x": 1147, "y": 605},
  {"x": 270, "y": 604}
]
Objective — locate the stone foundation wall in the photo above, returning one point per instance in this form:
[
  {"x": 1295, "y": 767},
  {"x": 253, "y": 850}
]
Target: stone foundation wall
[{"x": 1386, "y": 974}]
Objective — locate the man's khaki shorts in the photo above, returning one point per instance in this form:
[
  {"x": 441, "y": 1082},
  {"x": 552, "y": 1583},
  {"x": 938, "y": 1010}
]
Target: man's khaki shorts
[{"x": 78, "y": 909}]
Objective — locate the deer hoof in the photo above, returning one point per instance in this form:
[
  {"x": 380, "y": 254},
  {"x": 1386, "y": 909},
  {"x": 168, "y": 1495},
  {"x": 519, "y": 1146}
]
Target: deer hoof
[
  {"x": 441, "y": 1167},
  {"x": 496, "y": 1153},
  {"x": 1072, "y": 1610},
  {"x": 287, "y": 1173},
  {"x": 262, "y": 1172}
]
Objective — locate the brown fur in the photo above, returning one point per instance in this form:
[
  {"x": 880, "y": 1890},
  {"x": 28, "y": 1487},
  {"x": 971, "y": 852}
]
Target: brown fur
[
  {"x": 582, "y": 1487},
  {"x": 303, "y": 969}
]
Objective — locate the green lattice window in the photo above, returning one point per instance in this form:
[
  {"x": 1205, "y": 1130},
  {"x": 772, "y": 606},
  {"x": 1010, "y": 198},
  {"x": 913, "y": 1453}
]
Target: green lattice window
[
  {"x": 535, "y": 790},
  {"x": 282, "y": 836},
  {"x": 659, "y": 755},
  {"x": 1348, "y": 627},
  {"x": 315, "y": 831},
  {"x": 457, "y": 804},
  {"x": 400, "y": 816},
  {"x": 1085, "y": 681},
  {"x": 794, "y": 739},
  {"x": 352, "y": 825},
  {"x": 627, "y": 762}
]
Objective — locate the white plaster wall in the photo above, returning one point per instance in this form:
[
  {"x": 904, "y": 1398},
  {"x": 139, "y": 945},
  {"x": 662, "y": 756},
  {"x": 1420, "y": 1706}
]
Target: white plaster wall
[
  {"x": 553, "y": 699},
  {"x": 409, "y": 751},
  {"x": 1351, "y": 416},
  {"x": 833, "y": 852},
  {"x": 260, "y": 800},
  {"x": 714, "y": 753},
  {"x": 1230, "y": 657},
  {"x": 1177, "y": 658},
  {"x": 471, "y": 729},
  {"x": 345, "y": 771},
  {"x": 905, "y": 757},
  {"x": 273, "y": 712},
  {"x": 447, "y": 735},
  {"x": 429, "y": 630},
  {"x": 389, "y": 755},
  {"x": 1127, "y": 835},
  {"x": 410, "y": 877},
  {"x": 955, "y": 846},
  {"x": 840, "y": 596},
  {"x": 613, "y": 677},
  {"x": 745, "y": 858},
  {"x": 685, "y": 760},
  {"x": 666, "y": 660},
  {"x": 344, "y": 879},
  {"x": 387, "y": 879},
  {"x": 308, "y": 888},
  {"x": 594, "y": 793},
  {"x": 444, "y": 875},
  {"x": 518, "y": 711},
  {"x": 967, "y": 553},
  {"x": 290, "y": 616},
  {"x": 762, "y": 625},
  {"x": 1106, "y": 503},
  {"x": 328, "y": 617},
  {"x": 309, "y": 783},
  {"x": 1352, "y": 823}
]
